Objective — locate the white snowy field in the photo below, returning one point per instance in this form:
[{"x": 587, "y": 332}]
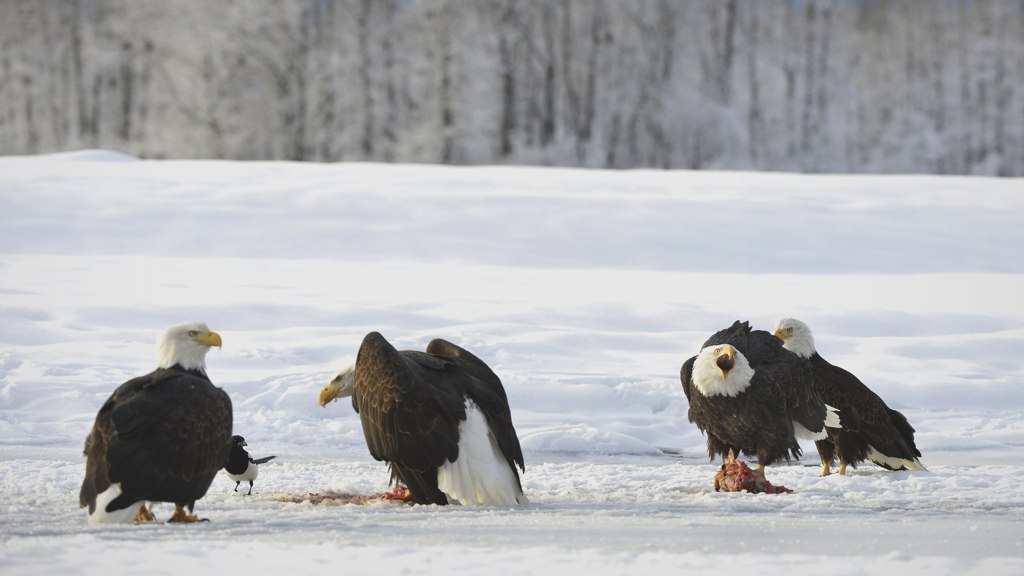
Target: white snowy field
[{"x": 584, "y": 290}]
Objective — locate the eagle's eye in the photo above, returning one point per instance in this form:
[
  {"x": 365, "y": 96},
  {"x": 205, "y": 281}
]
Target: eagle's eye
[
  {"x": 718, "y": 351},
  {"x": 193, "y": 333},
  {"x": 789, "y": 330}
]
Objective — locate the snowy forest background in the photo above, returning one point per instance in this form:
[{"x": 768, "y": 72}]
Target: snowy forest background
[{"x": 884, "y": 86}]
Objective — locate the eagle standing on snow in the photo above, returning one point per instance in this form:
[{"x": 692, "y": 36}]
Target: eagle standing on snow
[
  {"x": 871, "y": 430},
  {"x": 749, "y": 394},
  {"x": 161, "y": 437},
  {"x": 439, "y": 418}
]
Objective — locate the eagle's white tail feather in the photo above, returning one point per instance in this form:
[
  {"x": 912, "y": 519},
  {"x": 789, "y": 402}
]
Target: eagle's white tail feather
[
  {"x": 123, "y": 516},
  {"x": 894, "y": 463},
  {"x": 916, "y": 465},
  {"x": 831, "y": 421},
  {"x": 800, "y": 431},
  {"x": 481, "y": 474}
]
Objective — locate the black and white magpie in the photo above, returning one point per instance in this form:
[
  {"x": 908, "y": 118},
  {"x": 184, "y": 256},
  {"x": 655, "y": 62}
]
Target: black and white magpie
[{"x": 241, "y": 466}]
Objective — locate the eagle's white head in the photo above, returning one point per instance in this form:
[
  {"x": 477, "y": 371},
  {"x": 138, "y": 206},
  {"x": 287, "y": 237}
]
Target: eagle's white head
[
  {"x": 186, "y": 344},
  {"x": 721, "y": 371},
  {"x": 796, "y": 337},
  {"x": 340, "y": 386}
]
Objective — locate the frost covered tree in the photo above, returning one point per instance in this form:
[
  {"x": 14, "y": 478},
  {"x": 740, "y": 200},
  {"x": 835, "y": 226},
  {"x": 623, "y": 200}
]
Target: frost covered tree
[{"x": 809, "y": 85}]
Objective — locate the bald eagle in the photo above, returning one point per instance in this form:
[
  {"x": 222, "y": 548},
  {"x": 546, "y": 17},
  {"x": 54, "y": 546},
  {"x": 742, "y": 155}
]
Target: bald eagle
[
  {"x": 161, "y": 437},
  {"x": 439, "y": 418},
  {"x": 871, "y": 430},
  {"x": 749, "y": 394}
]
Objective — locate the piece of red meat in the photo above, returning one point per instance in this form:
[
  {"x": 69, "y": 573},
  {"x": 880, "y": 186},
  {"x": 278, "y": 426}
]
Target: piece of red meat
[{"x": 736, "y": 476}]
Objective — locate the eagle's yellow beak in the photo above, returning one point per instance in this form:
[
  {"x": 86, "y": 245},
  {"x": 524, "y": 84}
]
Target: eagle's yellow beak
[
  {"x": 341, "y": 386},
  {"x": 211, "y": 338},
  {"x": 779, "y": 334},
  {"x": 327, "y": 394},
  {"x": 726, "y": 360}
]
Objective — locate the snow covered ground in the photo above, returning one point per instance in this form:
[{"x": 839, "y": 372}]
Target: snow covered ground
[{"x": 584, "y": 290}]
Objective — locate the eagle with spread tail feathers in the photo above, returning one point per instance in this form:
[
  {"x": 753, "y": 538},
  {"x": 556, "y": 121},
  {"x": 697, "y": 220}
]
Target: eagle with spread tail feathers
[
  {"x": 161, "y": 437},
  {"x": 749, "y": 394},
  {"x": 871, "y": 430},
  {"x": 439, "y": 418}
]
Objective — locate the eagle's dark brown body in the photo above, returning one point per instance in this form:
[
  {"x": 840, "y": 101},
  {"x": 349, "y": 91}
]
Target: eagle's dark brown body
[
  {"x": 758, "y": 421},
  {"x": 411, "y": 404},
  {"x": 869, "y": 430},
  {"x": 868, "y": 423},
  {"x": 162, "y": 436}
]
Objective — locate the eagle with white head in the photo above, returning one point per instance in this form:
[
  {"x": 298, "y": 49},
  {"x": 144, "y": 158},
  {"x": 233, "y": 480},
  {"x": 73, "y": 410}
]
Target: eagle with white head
[
  {"x": 871, "y": 430},
  {"x": 161, "y": 437},
  {"x": 750, "y": 395},
  {"x": 439, "y": 418}
]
